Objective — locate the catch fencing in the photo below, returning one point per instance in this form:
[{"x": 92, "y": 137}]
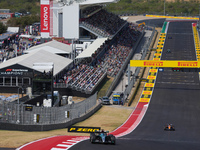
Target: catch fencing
[
  {"x": 133, "y": 79},
  {"x": 22, "y": 114},
  {"x": 137, "y": 70}
]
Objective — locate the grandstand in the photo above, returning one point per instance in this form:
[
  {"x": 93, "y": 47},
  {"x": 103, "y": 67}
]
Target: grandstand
[
  {"x": 106, "y": 60},
  {"x": 105, "y": 41},
  {"x": 111, "y": 37}
]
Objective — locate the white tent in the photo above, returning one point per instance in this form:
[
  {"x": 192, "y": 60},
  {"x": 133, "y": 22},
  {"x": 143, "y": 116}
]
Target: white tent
[
  {"x": 92, "y": 48},
  {"x": 92, "y": 2},
  {"x": 27, "y": 60},
  {"x": 53, "y": 47},
  {"x": 13, "y": 29}
]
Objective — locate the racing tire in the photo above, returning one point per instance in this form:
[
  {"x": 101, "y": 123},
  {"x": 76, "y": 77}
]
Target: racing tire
[
  {"x": 92, "y": 138},
  {"x": 112, "y": 139}
]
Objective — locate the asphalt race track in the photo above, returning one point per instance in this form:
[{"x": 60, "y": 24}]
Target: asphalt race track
[{"x": 176, "y": 100}]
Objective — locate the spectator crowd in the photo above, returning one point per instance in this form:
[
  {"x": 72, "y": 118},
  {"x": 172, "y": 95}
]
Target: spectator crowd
[
  {"x": 86, "y": 76},
  {"x": 104, "y": 23}
]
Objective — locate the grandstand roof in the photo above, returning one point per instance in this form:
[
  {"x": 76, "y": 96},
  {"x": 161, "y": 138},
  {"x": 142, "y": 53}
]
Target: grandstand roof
[
  {"x": 92, "y": 2},
  {"x": 92, "y": 48},
  {"x": 29, "y": 36},
  {"x": 41, "y": 56},
  {"x": 53, "y": 47}
]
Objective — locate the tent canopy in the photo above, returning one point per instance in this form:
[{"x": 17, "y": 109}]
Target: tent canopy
[
  {"x": 13, "y": 29},
  {"x": 92, "y": 48},
  {"x": 40, "y": 57},
  {"x": 54, "y": 47},
  {"x": 92, "y": 2}
]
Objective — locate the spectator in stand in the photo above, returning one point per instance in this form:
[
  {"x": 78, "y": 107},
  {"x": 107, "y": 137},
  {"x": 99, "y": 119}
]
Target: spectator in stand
[
  {"x": 104, "y": 22},
  {"x": 85, "y": 76}
]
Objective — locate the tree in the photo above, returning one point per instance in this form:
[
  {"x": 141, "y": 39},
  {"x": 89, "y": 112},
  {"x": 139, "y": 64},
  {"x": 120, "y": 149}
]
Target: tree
[
  {"x": 23, "y": 21},
  {"x": 3, "y": 28}
]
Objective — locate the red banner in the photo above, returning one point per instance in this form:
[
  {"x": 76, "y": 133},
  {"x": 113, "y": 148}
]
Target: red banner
[{"x": 45, "y": 18}]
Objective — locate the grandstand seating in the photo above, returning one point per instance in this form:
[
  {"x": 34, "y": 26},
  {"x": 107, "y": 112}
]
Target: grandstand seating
[
  {"x": 103, "y": 23},
  {"x": 90, "y": 10},
  {"x": 85, "y": 77}
]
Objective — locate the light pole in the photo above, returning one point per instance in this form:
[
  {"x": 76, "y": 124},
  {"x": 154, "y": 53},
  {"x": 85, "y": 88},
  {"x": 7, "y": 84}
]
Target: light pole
[{"x": 164, "y": 7}]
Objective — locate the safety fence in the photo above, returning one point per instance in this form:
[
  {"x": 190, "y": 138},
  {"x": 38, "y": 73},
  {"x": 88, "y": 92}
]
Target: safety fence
[
  {"x": 23, "y": 114},
  {"x": 137, "y": 71}
]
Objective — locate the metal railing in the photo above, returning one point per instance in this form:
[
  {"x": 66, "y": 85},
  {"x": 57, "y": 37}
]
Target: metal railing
[
  {"x": 32, "y": 115},
  {"x": 137, "y": 70}
]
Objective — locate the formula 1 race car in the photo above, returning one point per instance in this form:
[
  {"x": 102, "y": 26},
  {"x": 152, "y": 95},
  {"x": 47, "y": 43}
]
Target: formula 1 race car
[
  {"x": 169, "y": 127},
  {"x": 102, "y": 137},
  {"x": 168, "y": 51}
]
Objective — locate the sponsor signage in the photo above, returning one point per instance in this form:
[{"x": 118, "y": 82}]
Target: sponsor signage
[
  {"x": 145, "y": 100},
  {"x": 153, "y": 70},
  {"x": 45, "y": 18},
  {"x": 165, "y": 63},
  {"x": 153, "y": 64},
  {"x": 194, "y": 18},
  {"x": 13, "y": 72},
  {"x": 149, "y": 85},
  {"x": 157, "y": 54},
  {"x": 187, "y": 64},
  {"x": 83, "y": 129},
  {"x": 147, "y": 92},
  {"x": 28, "y": 108},
  {"x": 151, "y": 77}
]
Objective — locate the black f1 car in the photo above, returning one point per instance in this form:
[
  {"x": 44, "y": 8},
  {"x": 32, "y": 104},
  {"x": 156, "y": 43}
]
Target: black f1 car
[
  {"x": 169, "y": 127},
  {"x": 102, "y": 137},
  {"x": 168, "y": 51}
]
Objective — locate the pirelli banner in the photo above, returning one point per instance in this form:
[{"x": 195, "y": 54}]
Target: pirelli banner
[
  {"x": 173, "y": 17},
  {"x": 165, "y": 63},
  {"x": 83, "y": 129}
]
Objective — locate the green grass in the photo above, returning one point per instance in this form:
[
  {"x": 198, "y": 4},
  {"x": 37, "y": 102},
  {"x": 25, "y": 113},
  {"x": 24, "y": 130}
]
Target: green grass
[{"x": 102, "y": 89}]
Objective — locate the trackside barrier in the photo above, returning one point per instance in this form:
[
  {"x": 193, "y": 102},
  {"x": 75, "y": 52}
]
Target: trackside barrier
[
  {"x": 137, "y": 85},
  {"x": 133, "y": 80},
  {"x": 164, "y": 27},
  {"x": 44, "y": 118},
  {"x": 196, "y": 41},
  {"x": 174, "y": 17}
]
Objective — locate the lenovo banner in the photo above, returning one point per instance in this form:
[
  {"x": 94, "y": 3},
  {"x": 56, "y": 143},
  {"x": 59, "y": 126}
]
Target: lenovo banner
[{"x": 45, "y": 18}]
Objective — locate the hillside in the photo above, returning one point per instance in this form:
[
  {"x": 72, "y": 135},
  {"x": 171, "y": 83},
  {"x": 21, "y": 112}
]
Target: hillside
[
  {"x": 22, "y": 6},
  {"x": 172, "y": 7}
]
